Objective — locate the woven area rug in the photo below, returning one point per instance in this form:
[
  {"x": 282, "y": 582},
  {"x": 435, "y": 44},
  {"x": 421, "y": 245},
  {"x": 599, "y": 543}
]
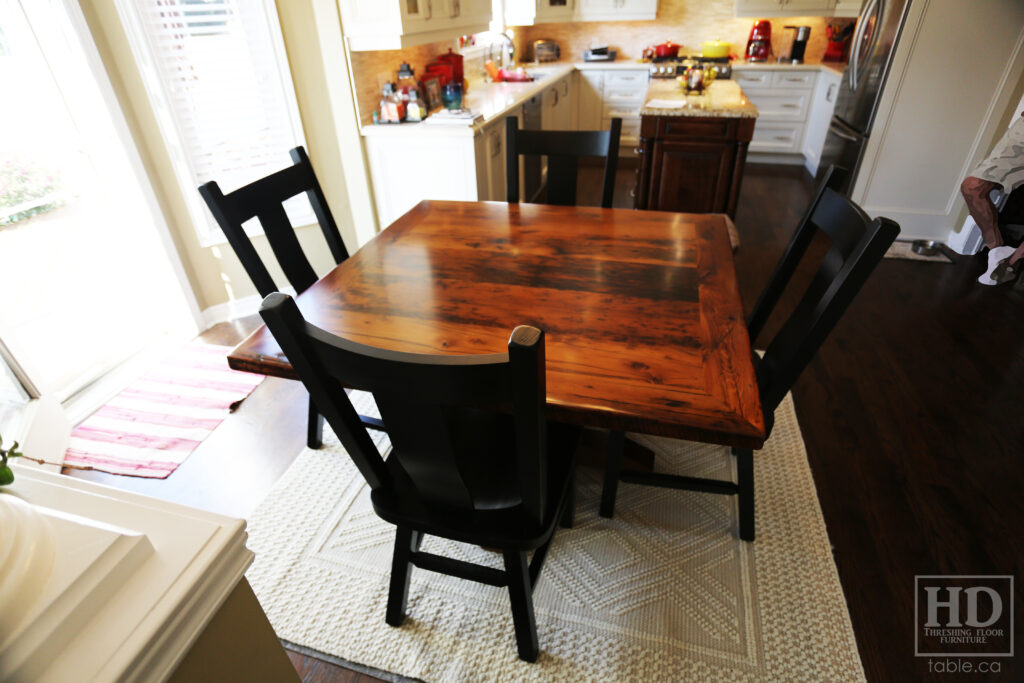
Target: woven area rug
[
  {"x": 902, "y": 250},
  {"x": 151, "y": 426},
  {"x": 663, "y": 592}
]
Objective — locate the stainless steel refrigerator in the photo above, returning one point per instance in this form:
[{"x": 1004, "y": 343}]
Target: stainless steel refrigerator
[{"x": 871, "y": 52}]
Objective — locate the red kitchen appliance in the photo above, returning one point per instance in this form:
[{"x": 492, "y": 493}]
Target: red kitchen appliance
[{"x": 759, "y": 44}]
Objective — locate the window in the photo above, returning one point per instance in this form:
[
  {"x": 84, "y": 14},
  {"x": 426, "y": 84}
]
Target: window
[{"x": 217, "y": 74}]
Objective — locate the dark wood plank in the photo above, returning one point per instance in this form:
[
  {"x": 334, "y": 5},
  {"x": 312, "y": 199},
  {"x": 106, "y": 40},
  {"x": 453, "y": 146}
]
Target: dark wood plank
[{"x": 642, "y": 311}]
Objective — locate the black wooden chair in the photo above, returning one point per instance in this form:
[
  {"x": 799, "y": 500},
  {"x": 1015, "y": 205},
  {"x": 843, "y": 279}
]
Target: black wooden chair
[
  {"x": 473, "y": 458},
  {"x": 264, "y": 199},
  {"x": 563, "y": 150},
  {"x": 857, "y": 245}
]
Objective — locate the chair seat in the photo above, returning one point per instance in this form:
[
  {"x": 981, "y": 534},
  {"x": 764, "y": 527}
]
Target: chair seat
[{"x": 506, "y": 528}]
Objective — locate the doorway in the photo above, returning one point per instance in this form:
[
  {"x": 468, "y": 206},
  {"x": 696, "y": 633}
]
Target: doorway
[{"x": 86, "y": 268}]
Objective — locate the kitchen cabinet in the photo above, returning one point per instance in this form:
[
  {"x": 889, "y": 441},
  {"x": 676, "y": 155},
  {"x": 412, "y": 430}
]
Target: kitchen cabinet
[
  {"x": 396, "y": 24},
  {"x": 785, "y": 8},
  {"x": 783, "y": 98},
  {"x": 847, "y": 8},
  {"x": 613, "y": 93},
  {"x": 557, "y": 106},
  {"x": 529, "y": 12},
  {"x": 551, "y": 11},
  {"x": 692, "y": 164},
  {"x": 617, "y": 10},
  {"x": 823, "y": 102}
]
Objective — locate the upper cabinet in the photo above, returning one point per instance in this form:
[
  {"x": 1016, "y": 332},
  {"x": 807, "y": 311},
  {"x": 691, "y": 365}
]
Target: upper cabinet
[
  {"x": 529, "y": 12},
  {"x": 787, "y": 8},
  {"x": 848, "y": 8},
  {"x": 394, "y": 24},
  {"x": 617, "y": 10},
  {"x": 551, "y": 11}
]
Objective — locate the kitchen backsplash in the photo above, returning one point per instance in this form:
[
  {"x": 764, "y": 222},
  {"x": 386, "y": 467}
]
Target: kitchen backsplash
[
  {"x": 687, "y": 22},
  {"x": 366, "y": 66}
]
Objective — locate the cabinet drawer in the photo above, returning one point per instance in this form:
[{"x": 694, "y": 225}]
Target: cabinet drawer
[
  {"x": 617, "y": 96},
  {"x": 779, "y": 106},
  {"x": 624, "y": 112},
  {"x": 627, "y": 79},
  {"x": 750, "y": 80},
  {"x": 777, "y": 137},
  {"x": 684, "y": 127},
  {"x": 793, "y": 79}
]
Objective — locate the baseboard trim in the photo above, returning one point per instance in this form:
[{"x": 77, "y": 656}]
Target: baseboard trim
[
  {"x": 775, "y": 158},
  {"x": 235, "y": 309}
]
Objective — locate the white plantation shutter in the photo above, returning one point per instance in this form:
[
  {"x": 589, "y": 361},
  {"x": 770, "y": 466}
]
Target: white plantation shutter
[{"x": 218, "y": 76}]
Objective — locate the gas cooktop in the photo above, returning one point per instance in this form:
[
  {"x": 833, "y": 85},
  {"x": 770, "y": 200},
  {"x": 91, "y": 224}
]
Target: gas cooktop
[{"x": 670, "y": 67}]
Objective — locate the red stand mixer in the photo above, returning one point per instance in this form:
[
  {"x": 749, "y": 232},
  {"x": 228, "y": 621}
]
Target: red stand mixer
[{"x": 759, "y": 44}]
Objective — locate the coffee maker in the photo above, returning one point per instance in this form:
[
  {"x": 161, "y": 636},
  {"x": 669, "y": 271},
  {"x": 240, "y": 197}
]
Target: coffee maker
[
  {"x": 759, "y": 44},
  {"x": 794, "y": 44}
]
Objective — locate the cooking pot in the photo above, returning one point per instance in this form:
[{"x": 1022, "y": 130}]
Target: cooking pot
[
  {"x": 667, "y": 49},
  {"x": 715, "y": 48}
]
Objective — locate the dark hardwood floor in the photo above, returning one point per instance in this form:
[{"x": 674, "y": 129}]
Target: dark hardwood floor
[{"x": 911, "y": 414}]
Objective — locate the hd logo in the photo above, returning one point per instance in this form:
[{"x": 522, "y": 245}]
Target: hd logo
[{"x": 965, "y": 616}]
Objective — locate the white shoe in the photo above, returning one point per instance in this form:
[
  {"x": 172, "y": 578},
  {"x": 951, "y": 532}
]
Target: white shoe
[{"x": 994, "y": 257}]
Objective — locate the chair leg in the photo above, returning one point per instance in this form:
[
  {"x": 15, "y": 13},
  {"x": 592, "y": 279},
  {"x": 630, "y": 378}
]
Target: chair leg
[
  {"x": 745, "y": 481},
  {"x": 314, "y": 427},
  {"x": 616, "y": 446},
  {"x": 520, "y": 594},
  {"x": 568, "y": 514},
  {"x": 407, "y": 541}
]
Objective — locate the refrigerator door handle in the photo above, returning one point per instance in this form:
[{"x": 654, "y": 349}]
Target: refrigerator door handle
[
  {"x": 840, "y": 133},
  {"x": 869, "y": 9}
]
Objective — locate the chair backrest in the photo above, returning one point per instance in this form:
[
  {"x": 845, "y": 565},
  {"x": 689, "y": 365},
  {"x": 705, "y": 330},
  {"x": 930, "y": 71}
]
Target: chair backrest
[
  {"x": 469, "y": 431},
  {"x": 563, "y": 149},
  {"x": 833, "y": 178},
  {"x": 857, "y": 246},
  {"x": 264, "y": 199}
]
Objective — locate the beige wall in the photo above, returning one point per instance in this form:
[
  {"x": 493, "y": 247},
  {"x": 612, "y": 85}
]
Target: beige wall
[
  {"x": 214, "y": 273},
  {"x": 689, "y": 22}
]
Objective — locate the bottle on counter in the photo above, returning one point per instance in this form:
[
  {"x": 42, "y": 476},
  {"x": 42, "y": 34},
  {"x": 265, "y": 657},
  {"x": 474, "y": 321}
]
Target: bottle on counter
[
  {"x": 415, "y": 111},
  {"x": 392, "y": 109}
]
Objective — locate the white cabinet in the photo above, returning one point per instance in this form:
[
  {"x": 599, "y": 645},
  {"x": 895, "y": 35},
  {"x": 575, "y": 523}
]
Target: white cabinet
[
  {"x": 783, "y": 99},
  {"x": 589, "y": 99},
  {"x": 396, "y": 24},
  {"x": 557, "y": 106},
  {"x": 613, "y": 93},
  {"x": 529, "y": 12},
  {"x": 490, "y": 160},
  {"x": 617, "y": 10},
  {"x": 823, "y": 103},
  {"x": 784, "y": 8},
  {"x": 847, "y": 8},
  {"x": 551, "y": 11}
]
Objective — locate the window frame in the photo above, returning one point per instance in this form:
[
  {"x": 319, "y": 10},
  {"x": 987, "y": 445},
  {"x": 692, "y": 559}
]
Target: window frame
[{"x": 207, "y": 230}]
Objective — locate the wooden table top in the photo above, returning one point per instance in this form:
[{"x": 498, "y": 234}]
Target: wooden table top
[{"x": 643, "y": 319}]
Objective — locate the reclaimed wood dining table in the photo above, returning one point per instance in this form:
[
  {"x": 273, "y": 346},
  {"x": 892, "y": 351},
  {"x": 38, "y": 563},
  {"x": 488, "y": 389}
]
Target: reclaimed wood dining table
[{"x": 642, "y": 315}]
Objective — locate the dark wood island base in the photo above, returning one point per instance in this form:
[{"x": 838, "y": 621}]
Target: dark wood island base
[{"x": 692, "y": 154}]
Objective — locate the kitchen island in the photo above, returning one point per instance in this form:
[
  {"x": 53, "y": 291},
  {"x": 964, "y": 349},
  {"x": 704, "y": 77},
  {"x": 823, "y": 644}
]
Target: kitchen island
[{"x": 693, "y": 147}]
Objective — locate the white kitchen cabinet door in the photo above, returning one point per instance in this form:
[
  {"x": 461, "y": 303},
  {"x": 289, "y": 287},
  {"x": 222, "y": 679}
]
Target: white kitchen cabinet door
[
  {"x": 617, "y": 10},
  {"x": 847, "y": 8},
  {"x": 550, "y": 11},
  {"x": 396, "y": 24},
  {"x": 784, "y": 8},
  {"x": 822, "y": 105},
  {"x": 556, "y": 108},
  {"x": 589, "y": 104},
  {"x": 463, "y": 13},
  {"x": 520, "y": 12}
]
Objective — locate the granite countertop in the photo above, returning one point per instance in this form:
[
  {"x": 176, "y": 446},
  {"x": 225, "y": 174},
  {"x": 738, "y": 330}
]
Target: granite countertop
[{"x": 723, "y": 99}]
